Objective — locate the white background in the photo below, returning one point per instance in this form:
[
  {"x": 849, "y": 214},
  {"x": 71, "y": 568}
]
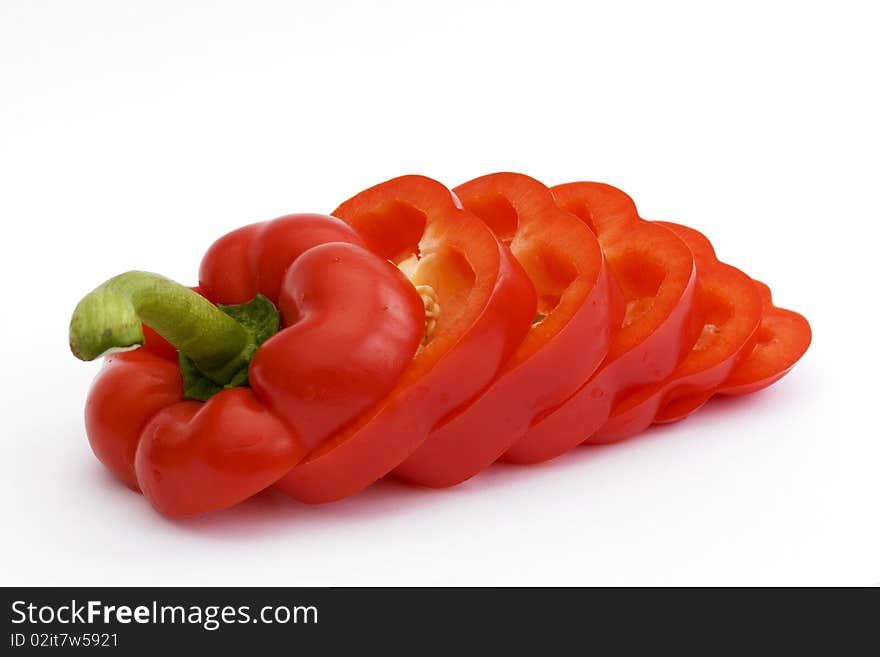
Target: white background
[{"x": 133, "y": 134}]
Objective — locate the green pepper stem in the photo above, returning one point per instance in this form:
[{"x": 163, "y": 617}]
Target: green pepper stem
[{"x": 111, "y": 316}]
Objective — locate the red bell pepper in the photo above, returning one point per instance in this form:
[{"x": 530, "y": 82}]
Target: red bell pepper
[
  {"x": 656, "y": 275},
  {"x": 486, "y": 305},
  {"x": 731, "y": 311},
  {"x": 320, "y": 353},
  {"x": 783, "y": 337},
  {"x": 565, "y": 264},
  {"x": 176, "y": 423}
]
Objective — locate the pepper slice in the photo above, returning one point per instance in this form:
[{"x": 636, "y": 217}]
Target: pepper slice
[
  {"x": 564, "y": 346},
  {"x": 731, "y": 311},
  {"x": 319, "y": 371},
  {"x": 656, "y": 274},
  {"x": 486, "y": 306},
  {"x": 783, "y": 337}
]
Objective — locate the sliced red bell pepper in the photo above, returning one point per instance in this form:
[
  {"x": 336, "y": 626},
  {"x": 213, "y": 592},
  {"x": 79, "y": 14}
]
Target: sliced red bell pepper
[
  {"x": 176, "y": 423},
  {"x": 656, "y": 275},
  {"x": 731, "y": 311},
  {"x": 486, "y": 305},
  {"x": 565, "y": 264},
  {"x": 783, "y": 337}
]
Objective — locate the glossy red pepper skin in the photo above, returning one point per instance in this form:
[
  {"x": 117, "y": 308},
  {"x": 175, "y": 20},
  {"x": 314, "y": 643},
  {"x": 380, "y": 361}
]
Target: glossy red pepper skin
[
  {"x": 351, "y": 318},
  {"x": 731, "y": 311},
  {"x": 336, "y": 299},
  {"x": 783, "y": 337},
  {"x": 487, "y": 305},
  {"x": 128, "y": 391},
  {"x": 656, "y": 274},
  {"x": 565, "y": 264},
  {"x": 254, "y": 258},
  {"x": 353, "y": 324},
  {"x": 195, "y": 457}
]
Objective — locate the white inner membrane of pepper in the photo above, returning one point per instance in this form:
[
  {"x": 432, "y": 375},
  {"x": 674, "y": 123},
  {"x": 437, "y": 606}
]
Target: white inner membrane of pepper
[{"x": 429, "y": 296}]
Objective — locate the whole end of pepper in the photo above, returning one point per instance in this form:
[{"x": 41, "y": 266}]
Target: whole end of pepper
[{"x": 103, "y": 323}]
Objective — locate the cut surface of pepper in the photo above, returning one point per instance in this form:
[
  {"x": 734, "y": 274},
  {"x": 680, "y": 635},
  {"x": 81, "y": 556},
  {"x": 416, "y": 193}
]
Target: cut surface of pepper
[
  {"x": 654, "y": 270},
  {"x": 730, "y": 306},
  {"x": 783, "y": 337},
  {"x": 565, "y": 264}
]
